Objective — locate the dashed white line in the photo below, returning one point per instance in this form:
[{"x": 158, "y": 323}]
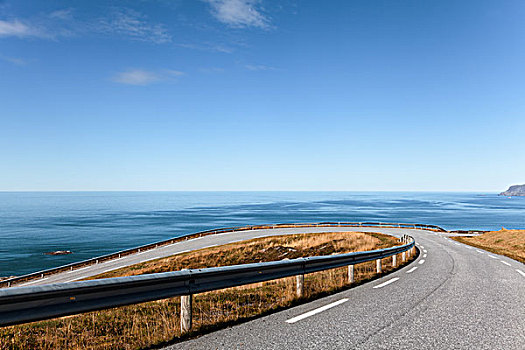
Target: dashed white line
[
  {"x": 521, "y": 272},
  {"x": 492, "y": 256},
  {"x": 424, "y": 251},
  {"x": 316, "y": 311},
  {"x": 38, "y": 280},
  {"x": 182, "y": 251},
  {"x": 209, "y": 246},
  {"x": 422, "y": 261},
  {"x": 424, "y": 255},
  {"x": 155, "y": 257},
  {"x": 386, "y": 283},
  {"x": 479, "y": 251},
  {"x": 506, "y": 263},
  {"x": 457, "y": 244},
  {"x": 412, "y": 269},
  {"x": 83, "y": 268}
]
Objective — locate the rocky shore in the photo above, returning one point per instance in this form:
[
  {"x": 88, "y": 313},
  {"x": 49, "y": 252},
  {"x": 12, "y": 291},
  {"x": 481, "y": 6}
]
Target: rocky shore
[{"x": 515, "y": 190}]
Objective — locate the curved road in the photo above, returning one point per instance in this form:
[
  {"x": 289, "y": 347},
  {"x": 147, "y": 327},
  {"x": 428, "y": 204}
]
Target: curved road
[{"x": 452, "y": 297}]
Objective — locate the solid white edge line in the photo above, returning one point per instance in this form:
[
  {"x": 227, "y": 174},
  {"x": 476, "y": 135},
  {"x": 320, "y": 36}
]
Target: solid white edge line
[
  {"x": 412, "y": 269},
  {"x": 386, "y": 283},
  {"x": 316, "y": 311},
  {"x": 479, "y": 251},
  {"x": 422, "y": 261},
  {"x": 506, "y": 263},
  {"x": 521, "y": 272}
]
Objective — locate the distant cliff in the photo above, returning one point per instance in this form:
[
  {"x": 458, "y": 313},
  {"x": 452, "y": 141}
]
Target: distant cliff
[{"x": 516, "y": 190}]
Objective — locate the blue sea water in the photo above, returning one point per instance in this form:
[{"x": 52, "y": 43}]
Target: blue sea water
[{"x": 95, "y": 223}]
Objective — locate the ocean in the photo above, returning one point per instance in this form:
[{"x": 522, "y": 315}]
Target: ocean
[{"x": 95, "y": 223}]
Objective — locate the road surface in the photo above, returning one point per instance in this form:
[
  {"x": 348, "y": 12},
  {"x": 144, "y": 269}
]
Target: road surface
[{"x": 452, "y": 297}]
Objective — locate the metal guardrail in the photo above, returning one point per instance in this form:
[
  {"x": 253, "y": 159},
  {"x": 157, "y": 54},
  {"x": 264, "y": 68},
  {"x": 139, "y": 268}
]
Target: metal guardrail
[
  {"x": 26, "y": 304},
  {"x": 69, "y": 267}
]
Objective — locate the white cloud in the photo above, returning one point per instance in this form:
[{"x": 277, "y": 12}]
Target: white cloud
[
  {"x": 20, "y": 29},
  {"x": 144, "y": 77},
  {"x": 61, "y": 23},
  {"x": 65, "y": 14},
  {"x": 259, "y": 67},
  {"x": 14, "y": 60},
  {"x": 239, "y": 13},
  {"x": 134, "y": 25}
]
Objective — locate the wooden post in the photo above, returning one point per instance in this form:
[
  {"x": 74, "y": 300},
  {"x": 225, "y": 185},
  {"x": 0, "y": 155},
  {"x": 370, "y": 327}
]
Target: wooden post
[
  {"x": 299, "y": 285},
  {"x": 378, "y": 266},
  {"x": 351, "y": 278},
  {"x": 394, "y": 260},
  {"x": 185, "y": 313}
]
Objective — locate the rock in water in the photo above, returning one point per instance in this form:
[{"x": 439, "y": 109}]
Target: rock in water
[
  {"x": 515, "y": 190},
  {"x": 59, "y": 252}
]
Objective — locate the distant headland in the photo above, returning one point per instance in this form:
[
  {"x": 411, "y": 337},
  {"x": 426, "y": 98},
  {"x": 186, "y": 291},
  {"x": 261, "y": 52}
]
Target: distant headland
[{"x": 515, "y": 190}]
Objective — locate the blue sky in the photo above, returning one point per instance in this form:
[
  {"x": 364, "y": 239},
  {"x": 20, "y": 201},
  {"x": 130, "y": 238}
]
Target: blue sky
[{"x": 262, "y": 95}]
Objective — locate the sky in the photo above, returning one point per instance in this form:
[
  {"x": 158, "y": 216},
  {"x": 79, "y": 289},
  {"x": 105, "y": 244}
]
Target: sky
[{"x": 357, "y": 95}]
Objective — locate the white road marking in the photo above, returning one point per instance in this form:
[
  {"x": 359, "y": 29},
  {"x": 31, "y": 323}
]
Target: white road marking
[
  {"x": 424, "y": 255},
  {"x": 479, "y": 251},
  {"x": 506, "y": 263},
  {"x": 182, "y": 251},
  {"x": 87, "y": 267},
  {"x": 155, "y": 257},
  {"x": 386, "y": 283},
  {"x": 422, "y": 247},
  {"x": 260, "y": 236},
  {"x": 38, "y": 280},
  {"x": 412, "y": 269},
  {"x": 457, "y": 244},
  {"x": 521, "y": 272},
  {"x": 209, "y": 246},
  {"x": 492, "y": 256},
  {"x": 316, "y": 311},
  {"x": 424, "y": 251},
  {"x": 422, "y": 261}
]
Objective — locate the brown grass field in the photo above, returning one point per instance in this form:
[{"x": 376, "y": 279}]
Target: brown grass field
[
  {"x": 157, "y": 323},
  {"x": 510, "y": 243}
]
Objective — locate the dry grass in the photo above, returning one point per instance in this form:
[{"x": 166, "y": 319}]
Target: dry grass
[
  {"x": 157, "y": 323},
  {"x": 510, "y": 243}
]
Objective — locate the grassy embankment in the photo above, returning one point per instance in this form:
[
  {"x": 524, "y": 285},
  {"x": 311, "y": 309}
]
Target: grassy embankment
[
  {"x": 157, "y": 323},
  {"x": 510, "y": 243}
]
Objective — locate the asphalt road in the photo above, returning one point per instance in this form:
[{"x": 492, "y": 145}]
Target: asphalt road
[
  {"x": 452, "y": 297},
  {"x": 184, "y": 246}
]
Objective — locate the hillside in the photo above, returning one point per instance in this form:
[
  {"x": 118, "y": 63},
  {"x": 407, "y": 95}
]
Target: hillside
[{"x": 515, "y": 190}]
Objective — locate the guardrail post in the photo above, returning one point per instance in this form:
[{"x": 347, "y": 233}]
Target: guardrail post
[
  {"x": 378, "y": 266},
  {"x": 351, "y": 278},
  {"x": 394, "y": 260},
  {"x": 299, "y": 285},
  {"x": 185, "y": 313}
]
